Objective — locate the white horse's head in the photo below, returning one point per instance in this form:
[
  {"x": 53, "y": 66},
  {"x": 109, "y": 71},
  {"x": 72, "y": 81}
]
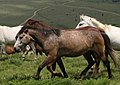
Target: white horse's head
[
  {"x": 22, "y": 41},
  {"x": 89, "y": 21},
  {"x": 84, "y": 21}
]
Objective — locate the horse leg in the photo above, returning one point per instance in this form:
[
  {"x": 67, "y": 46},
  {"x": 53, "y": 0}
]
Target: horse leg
[
  {"x": 32, "y": 45},
  {"x": 2, "y": 49},
  {"x": 107, "y": 64},
  {"x": 90, "y": 64},
  {"x": 96, "y": 69},
  {"x": 61, "y": 65},
  {"x": 47, "y": 62},
  {"x": 38, "y": 49},
  {"x": 54, "y": 66},
  {"x": 102, "y": 54},
  {"x": 24, "y": 54},
  {"x": 52, "y": 71}
]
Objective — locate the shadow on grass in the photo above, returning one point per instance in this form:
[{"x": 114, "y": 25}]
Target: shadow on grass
[{"x": 3, "y": 58}]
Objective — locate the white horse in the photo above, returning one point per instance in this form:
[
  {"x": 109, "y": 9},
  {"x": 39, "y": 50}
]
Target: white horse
[
  {"x": 8, "y": 34},
  {"x": 112, "y": 31}
]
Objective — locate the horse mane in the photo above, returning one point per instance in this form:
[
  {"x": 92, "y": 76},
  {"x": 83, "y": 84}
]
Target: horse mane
[
  {"x": 95, "y": 22},
  {"x": 36, "y": 23},
  {"x": 39, "y": 26}
]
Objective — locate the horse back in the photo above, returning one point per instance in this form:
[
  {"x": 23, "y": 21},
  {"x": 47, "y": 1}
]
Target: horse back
[
  {"x": 90, "y": 28},
  {"x": 78, "y": 41}
]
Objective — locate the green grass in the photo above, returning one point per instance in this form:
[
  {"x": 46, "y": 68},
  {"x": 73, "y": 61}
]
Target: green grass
[{"x": 16, "y": 71}]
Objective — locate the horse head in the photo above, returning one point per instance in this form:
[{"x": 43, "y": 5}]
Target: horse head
[
  {"x": 22, "y": 41},
  {"x": 84, "y": 21},
  {"x": 30, "y": 29}
]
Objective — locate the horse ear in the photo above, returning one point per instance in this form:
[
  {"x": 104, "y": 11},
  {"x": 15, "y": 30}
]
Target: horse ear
[{"x": 81, "y": 16}]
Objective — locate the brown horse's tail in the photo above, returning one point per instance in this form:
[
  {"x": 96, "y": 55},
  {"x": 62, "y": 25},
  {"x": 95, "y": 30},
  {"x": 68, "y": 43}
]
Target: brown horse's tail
[{"x": 110, "y": 51}]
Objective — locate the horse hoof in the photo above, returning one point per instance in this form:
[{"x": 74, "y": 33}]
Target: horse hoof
[
  {"x": 36, "y": 77},
  {"x": 59, "y": 74},
  {"x": 65, "y": 76},
  {"x": 23, "y": 58},
  {"x": 110, "y": 76},
  {"x": 56, "y": 74}
]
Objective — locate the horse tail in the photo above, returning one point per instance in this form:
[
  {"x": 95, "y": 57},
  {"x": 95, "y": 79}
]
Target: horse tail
[{"x": 110, "y": 51}]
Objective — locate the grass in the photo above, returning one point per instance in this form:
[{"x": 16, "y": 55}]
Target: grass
[{"x": 16, "y": 71}]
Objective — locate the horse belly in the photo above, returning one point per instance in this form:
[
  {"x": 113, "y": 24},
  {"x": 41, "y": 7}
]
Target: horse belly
[
  {"x": 74, "y": 48},
  {"x": 71, "y": 52}
]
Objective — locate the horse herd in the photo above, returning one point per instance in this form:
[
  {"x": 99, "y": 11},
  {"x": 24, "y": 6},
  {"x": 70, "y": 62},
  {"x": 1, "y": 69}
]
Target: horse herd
[{"x": 92, "y": 39}]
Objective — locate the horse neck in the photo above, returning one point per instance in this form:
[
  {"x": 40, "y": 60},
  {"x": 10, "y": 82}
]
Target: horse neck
[
  {"x": 98, "y": 24},
  {"x": 38, "y": 37}
]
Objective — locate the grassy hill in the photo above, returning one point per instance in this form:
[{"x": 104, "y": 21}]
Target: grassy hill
[{"x": 61, "y": 13}]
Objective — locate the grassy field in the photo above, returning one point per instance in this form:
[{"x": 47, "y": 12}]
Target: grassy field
[
  {"x": 15, "y": 71},
  {"x": 59, "y": 13}
]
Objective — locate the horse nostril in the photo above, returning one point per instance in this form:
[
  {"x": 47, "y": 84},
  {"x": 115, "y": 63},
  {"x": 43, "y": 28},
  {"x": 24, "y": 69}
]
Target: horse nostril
[{"x": 17, "y": 49}]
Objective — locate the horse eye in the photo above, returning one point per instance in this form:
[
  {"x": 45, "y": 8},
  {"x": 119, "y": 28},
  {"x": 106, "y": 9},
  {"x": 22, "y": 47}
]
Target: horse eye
[
  {"x": 20, "y": 37},
  {"x": 80, "y": 24}
]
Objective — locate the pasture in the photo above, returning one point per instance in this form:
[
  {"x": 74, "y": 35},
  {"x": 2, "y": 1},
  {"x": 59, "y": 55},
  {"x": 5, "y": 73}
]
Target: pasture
[
  {"x": 59, "y": 13},
  {"x": 15, "y": 71}
]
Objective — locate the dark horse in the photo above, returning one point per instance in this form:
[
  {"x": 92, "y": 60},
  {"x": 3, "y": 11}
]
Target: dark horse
[{"x": 58, "y": 42}]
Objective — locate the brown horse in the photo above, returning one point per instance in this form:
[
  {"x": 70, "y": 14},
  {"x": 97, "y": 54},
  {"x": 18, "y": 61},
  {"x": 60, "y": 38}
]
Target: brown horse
[{"x": 57, "y": 43}]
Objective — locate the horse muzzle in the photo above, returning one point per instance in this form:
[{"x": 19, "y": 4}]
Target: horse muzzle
[{"x": 17, "y": 49}]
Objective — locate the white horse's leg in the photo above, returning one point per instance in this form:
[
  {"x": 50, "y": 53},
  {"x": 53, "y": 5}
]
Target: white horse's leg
[
  {"x": 24, "y": 54},
  {"x": 2, "y": 50},
  {"x": 33, "y": 49},
  {"x": 25, "y": 51}
]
